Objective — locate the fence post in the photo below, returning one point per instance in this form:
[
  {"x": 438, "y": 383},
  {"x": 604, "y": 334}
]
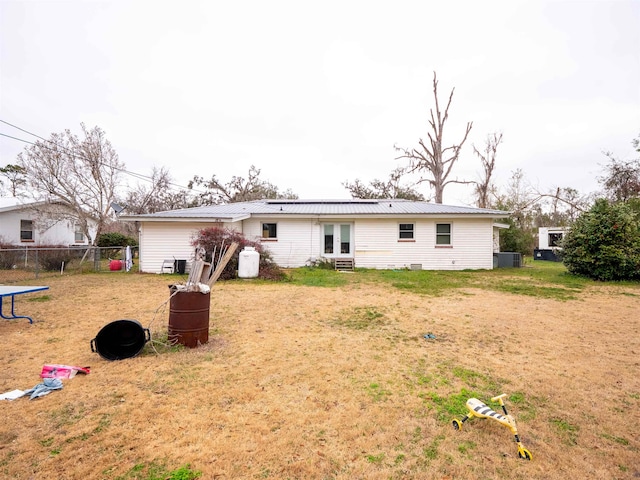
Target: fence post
[
  {"x": 96, "y": 259},
  {"x": 37, "y": 262}
]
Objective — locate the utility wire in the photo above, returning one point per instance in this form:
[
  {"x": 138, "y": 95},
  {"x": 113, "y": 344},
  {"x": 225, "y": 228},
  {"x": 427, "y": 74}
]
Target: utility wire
[
  {"x": 22, "y": 130},
  {"x": 133, "y": 174}
]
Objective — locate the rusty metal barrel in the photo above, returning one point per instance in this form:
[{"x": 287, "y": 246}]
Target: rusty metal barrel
[{"x": 188, "y": 317}]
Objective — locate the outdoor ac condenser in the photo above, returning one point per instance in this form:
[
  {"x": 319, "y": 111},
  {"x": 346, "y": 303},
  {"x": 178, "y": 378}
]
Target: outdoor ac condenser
[{"x": 509, "y": 260}]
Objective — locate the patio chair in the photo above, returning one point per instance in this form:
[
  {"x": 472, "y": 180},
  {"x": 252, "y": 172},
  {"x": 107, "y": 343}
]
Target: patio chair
[{"x": 168, "y": 266}]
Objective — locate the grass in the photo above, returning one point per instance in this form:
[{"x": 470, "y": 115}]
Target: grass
[
  {"x": 158, "y": 471},
  {"x": 567, "y": 431},
  {"x": 333, "y": 381},
  {"x": 377, "y": 392},
  {"x": 615, "y": 439},
  {"x": 360, "y": 318},
  {"x": 537, "y": 279},
  {"x": 40, "y": 298},
  {"x": 317, "y": 277}
]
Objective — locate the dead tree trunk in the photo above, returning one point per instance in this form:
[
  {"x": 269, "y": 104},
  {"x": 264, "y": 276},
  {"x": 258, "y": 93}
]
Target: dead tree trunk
[
  {"x": 488, "y": 159},
  {"x": 431, "y": 158}
]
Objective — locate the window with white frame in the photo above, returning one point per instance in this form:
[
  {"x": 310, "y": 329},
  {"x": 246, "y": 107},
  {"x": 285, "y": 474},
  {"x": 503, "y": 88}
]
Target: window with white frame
[
  {"x": 406, "y": 231},
  {"x": 443, "y": 234},
  {"x": 269, "y": 231},
  {"x": 26, "y": 230},
  {"x": 79, "y": 234}
]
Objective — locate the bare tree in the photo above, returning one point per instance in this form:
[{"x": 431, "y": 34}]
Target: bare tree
[
  {"x": 15, "y": 175},
  {"x": 79, "y": 176},
  {"x": 157, "y": 194},
  {"x": 621, "y": 181},
  {"x": 392, "y": 188},
  {"x": 531, "y": 208},
  {"x": 431, "y": 157},
  {"x": 566, "y": 206},
  {"x": 484, "y": 187},
  {"x": 238, "y": 189}
]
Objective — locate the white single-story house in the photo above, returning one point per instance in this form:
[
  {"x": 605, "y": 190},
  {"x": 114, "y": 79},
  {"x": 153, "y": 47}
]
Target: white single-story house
[
  {"x": 27, "y": 223},
  {"x": 380, "y": 234}
]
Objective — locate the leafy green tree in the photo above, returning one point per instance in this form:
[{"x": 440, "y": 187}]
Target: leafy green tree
[
  {"x": 15, "y": 175},
  {"x": 516, "y": 239},
  {"x": 520, "y": 200},
  {"x": 604, "y": 243}
]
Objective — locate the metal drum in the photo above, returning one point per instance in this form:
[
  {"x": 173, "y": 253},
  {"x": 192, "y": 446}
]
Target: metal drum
[{"x": 189, "y": 318}]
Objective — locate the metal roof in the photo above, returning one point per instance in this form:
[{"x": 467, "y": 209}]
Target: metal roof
[{"x": 239, "y": 211}]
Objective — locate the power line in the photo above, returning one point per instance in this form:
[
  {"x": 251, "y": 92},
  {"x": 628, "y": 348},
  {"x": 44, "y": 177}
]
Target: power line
[
  {"x": 133, "y": 174},
  {"x": 23, "y": 130}
]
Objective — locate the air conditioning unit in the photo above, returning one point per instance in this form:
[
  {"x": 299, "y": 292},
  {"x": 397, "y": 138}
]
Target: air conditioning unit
[{"x": 508, "y": 260}]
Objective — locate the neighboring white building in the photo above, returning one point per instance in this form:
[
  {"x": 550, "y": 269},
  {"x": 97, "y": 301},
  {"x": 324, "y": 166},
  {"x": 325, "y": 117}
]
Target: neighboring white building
[
  {"x": 549, "y": 243},
  {"x": 22, "y": 224},
  {"x": 550, "y": 238},
  {"x": 381, "y": 234}
]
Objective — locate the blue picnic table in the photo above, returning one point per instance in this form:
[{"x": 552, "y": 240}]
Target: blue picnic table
[{"x": 12, "y": 291}]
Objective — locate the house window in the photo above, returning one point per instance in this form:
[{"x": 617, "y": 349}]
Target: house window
[
  {"x": 443, "y": 234},
  {"x": 79, "y": 235},
  {"x": 406, "y": 231},
  {"x": 26, "y": 230},
  {"x": 269, "y": 231},
  {"x": 555, "y": 239}
]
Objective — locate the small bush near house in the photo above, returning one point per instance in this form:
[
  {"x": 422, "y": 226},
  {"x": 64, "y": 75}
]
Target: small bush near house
[
  {"x": 214, "y": 239},
  {"x": 115, "y": 239},
  {"x": 50, "y": 257},
  {"x": 9, "y": 256}
]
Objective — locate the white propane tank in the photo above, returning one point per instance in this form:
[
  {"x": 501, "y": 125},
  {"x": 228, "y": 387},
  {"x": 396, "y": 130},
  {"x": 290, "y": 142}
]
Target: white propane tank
[{"x": 248, "y": 263}]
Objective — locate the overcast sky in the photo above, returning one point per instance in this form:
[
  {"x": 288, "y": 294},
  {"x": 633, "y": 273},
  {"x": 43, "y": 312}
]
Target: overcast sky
[{"x": 318, "y": 93}]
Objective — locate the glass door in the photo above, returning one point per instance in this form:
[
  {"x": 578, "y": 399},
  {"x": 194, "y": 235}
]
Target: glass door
[{"x": 337, "y": 240}]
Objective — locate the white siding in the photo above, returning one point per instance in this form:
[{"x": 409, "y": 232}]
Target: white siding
[
  {"x": 376, "y": 242},
  {"x": 59, "y": 233},
  {"x": 168, "y": 240},
  {"x": 377, "y": 245},
  {"x": 298, "y": 239}
]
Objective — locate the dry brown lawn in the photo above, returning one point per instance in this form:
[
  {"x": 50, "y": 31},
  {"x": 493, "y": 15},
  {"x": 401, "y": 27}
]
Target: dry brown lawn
[{"x": 326, "y": 383}]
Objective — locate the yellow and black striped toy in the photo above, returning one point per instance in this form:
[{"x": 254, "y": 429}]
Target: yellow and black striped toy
[{"x": 480, "y": 410}]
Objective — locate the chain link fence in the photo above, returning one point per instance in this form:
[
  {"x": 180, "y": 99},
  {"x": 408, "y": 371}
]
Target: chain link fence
[{"x": 18, "y": 264}]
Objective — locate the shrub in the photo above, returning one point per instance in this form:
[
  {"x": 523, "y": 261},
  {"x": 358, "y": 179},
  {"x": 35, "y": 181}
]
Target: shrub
[
  {"x": 214, "y": 239},
  {"x": 516, "y": 239},
  {"x": 10, "y": 255},
  {"x": 51, "y": 260},
  {"x": 604, "y": 243},
  {"x": 115, "y": 239}
]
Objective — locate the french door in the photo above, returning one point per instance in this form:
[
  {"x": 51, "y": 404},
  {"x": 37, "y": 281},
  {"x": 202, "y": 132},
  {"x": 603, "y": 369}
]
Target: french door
[{"x": 337, "y": 240}]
